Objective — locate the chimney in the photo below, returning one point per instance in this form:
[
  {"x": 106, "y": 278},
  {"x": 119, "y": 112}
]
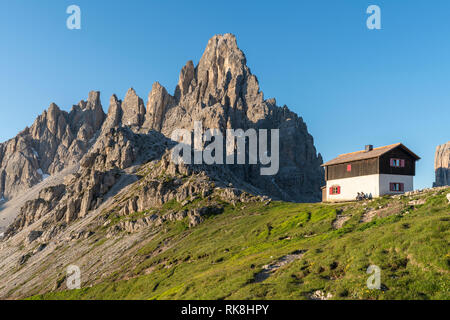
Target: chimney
[{"x": 369, "y": 147}]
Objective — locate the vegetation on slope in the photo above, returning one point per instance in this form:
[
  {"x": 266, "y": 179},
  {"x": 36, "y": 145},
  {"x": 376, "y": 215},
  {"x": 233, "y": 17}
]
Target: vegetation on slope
[{"x": 293, "y": 251}]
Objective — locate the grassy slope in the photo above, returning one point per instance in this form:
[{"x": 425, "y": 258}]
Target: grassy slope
[{"x": 219, "y": 258}]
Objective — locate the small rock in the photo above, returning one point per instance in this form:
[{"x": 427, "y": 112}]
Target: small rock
[
  {"x": 23, "y": 259},
  {"x": 416, "y": 202},
  {"x": 320, "y": 295},
  {"x": 33, "y": 235},
  {"x": 40, "y": 248},
  {"x": 185, "y": 202},
  {"x": 194, "y": 218}
]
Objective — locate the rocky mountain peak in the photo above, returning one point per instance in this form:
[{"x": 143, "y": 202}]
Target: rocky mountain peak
[
  {"x": 133, "y": 109},
  {"x": 187, "y": 74},
  {"x": 114, "y": 116},
  {"x": 220, "y": 91},
  {"x": 93, "y": 101},
  {"x": 222, "y": 74},
  {"x": 53, "y": 111},
  {"x": 223, "y": 52},
  {"x": 159, "y": 100}
]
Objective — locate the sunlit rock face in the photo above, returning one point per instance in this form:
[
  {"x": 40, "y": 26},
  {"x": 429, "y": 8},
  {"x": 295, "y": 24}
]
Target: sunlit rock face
[{"x": 442, "y": 165}]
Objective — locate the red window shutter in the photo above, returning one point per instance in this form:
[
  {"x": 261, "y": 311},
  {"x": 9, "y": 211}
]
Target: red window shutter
[
  {"x": 338, "y": 190},
  {"x": 402, "y": 187},
  {"x": 402, "y": 163},
  {"x": 331, "y": 190},
  {"x": 391, "y": 187},
  {"x": 392, "y": 162},
  {"x": 349, "y": 168}
]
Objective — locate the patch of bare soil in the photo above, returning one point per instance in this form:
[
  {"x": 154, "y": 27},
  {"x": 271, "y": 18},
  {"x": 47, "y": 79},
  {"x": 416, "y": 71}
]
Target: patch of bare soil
[
  {"x": 339, "y": 221},
  {"x": 368, "y": 216},
  {"x": 269, "y": 269},
  {"x": 381, "y": 212}
]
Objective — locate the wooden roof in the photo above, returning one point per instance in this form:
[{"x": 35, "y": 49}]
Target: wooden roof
[{"x": 362, "y": 155}]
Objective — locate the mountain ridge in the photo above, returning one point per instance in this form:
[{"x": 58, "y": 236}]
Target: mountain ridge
[{"x": 220, "y": 92}]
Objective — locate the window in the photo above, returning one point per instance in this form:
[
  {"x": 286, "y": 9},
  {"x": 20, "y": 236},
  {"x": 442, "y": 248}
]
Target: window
[
  {"x": 396, "y": 187},
  {"x": 349, "y": 168},
  {"x": 335, "y": 190},
  {"x": 398, "y": 163}
]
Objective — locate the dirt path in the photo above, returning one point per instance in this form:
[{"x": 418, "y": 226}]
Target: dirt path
[
  {"x": 339, "y": 221},
  {"x": 269, "y": 269},
  {"x": 368, "y": 216}
]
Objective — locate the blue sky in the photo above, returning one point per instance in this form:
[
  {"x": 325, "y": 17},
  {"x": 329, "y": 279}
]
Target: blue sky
[{"x": 352, "y": 86}]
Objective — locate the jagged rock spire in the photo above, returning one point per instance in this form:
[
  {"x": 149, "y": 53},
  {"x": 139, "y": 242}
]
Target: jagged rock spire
[
  {"x": 187, "y": 74},
  {"x": 114, "y": 115},
  {"x": 158, "y": 103},
  {"x": 133, "y": 109}
]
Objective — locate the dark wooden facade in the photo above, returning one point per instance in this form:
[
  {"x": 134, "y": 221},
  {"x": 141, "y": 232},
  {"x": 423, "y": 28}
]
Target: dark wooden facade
[
  {"x": 358, "y": 168},
  {"x": 410, "y": 163},
  {"x": 376, "y": 165}
]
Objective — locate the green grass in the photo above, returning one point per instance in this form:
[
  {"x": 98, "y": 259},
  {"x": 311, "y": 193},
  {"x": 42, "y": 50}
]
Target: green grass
[{"x": 219, "y": 258}]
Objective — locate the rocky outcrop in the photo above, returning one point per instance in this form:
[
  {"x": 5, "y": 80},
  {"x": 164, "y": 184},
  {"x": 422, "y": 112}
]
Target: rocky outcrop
[
  {"x": 158, "y": 103},
  {"x": 133, "y": 110},
  {"x": 35, "y": 209},
  {"x": 114, "y": 116},
  {"x": 87, "y": 189},
  {"x": 442, "y": 165}
]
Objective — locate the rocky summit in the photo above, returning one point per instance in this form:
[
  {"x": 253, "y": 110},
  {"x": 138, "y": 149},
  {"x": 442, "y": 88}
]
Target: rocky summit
[{"x": 442, "y": 165}]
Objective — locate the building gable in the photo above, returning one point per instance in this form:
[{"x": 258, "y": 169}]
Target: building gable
[{"x": 398, "y": 161}]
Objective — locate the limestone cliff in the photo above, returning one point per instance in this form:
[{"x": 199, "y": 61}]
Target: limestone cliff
[{"x": 442, "y": 165}]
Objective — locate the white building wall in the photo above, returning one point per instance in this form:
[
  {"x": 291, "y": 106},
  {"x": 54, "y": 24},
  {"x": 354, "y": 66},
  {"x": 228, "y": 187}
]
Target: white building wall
[
  {"x": 386, "y": 179},
  {"x": 351, "y": 186},
  {"x": 375, "y": 185}
]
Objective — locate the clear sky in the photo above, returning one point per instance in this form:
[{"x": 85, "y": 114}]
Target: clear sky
[{"x": 352, "y": 86}]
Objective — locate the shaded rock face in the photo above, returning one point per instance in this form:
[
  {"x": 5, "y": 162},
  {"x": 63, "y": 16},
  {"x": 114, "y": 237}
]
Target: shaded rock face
[
  {"x": 220, "y": 91},
  {"x": 442, "y": 165},
  {"x": 100, "y": 169}
]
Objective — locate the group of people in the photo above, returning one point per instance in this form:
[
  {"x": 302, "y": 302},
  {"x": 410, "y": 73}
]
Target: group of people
[{"x": 363, "y": 196}]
